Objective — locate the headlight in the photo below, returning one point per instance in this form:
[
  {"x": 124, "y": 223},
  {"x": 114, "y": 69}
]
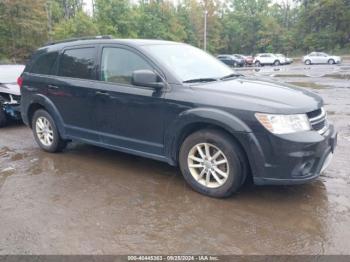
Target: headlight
[{"x": 284, "y": 124}]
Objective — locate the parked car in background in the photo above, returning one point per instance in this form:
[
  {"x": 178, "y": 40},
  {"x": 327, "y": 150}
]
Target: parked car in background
[
  {"x": 287, "y": 60},
  {"x": 248, "y": 60},
  {"x": 268, "y": 59},
  {"x": 175, "y": 103},
  {"x": 9, "y": 93},
  {"x": 321, "y": 58},
  {"x": 231, "y": 60}
]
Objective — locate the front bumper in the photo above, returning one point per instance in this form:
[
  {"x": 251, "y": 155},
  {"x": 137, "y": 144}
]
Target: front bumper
[{"x": 294, "y": 158}]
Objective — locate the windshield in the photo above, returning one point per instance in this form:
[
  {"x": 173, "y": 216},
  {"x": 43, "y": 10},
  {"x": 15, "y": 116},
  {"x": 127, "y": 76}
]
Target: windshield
[{"x": 188, "y": 62}]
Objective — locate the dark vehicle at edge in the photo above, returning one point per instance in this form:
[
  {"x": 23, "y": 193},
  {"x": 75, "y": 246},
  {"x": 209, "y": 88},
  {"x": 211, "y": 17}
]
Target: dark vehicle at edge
[
  {"x": 175, "y": 103},
  {"x": 231, "y": 60}
]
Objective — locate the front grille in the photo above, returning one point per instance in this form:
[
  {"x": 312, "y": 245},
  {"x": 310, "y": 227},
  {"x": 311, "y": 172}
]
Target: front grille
[{"x": 318, "y": 120}]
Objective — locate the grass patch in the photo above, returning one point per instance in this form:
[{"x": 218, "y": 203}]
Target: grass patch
[
  {"x": 290, "y": 75},
  {"x": 339, "y": 76},
  {"x": 308, "y": 85}
]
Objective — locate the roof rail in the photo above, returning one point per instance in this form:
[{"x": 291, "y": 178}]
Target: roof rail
[{"x": 80, "y": 38}]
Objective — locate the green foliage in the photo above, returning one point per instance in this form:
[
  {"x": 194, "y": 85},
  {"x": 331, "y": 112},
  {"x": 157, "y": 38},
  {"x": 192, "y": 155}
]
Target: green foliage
[
  {"x": 22, "y": 27},
  {"x": 115, "y": 17},
  {"x": 233, "y": 26},
  {"x": 79, "y": 25}
]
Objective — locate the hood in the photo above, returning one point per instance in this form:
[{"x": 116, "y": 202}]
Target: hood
[
  {"x": 12, "y": 89},
  {"x": 258, "y": 95}
]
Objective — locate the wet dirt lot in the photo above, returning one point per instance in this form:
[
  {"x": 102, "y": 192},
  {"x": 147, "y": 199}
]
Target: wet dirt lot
[{"x": 89, "y": 200}]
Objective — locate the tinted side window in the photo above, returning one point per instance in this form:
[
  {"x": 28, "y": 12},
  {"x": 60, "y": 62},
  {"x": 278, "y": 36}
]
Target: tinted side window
[
  {"x": 78, "y": 63},
  {"x": 43, "y": 63},
  {"x": 118, "y": 64}
]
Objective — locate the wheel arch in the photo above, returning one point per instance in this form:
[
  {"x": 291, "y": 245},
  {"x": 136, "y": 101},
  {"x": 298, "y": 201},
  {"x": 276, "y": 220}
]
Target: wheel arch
[
  {"x": 42, "y": 102},
  {"x": 196, "y": 119}
]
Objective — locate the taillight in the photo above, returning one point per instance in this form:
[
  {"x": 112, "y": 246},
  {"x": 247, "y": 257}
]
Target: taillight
[{"x": 20, "y": 81}]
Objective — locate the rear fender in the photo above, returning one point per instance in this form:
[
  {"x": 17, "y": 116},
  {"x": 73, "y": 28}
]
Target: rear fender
[{"x": 49, "y": 106}]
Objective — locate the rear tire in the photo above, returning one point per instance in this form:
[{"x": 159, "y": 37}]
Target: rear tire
[
  {"x": 218, "y": 169},
  {"x": 46, "y": 133},
  {"x": 277, "y": 63}
]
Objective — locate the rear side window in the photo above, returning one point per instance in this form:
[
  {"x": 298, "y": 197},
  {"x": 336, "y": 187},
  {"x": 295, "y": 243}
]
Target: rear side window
[
  {"x": 43, "y": 64},
  {"x": 78, "y": 63},
  {"x": 118, "y": 64}
]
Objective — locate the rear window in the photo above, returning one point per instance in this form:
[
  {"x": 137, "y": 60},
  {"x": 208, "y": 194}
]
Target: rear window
[
  {"x": 78, "y": 63},
  {"x": 43, "y": 64}
]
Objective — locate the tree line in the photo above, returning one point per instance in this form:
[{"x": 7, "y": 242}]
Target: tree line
[{"x": 233, "y": 26}]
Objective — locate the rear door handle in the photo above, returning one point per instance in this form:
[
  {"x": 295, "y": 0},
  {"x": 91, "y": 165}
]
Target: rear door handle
[
  {"x": 102, "y": 93},
  {"x": 52, "y": 87}
]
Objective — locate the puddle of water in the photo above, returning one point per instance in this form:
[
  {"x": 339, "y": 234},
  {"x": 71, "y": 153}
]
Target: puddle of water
[{"x": 5, "y": 173}]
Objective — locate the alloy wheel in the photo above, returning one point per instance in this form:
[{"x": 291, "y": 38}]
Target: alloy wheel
[
  {"x": 44, "y": 131},
  {"x": 208, "y": 165}
]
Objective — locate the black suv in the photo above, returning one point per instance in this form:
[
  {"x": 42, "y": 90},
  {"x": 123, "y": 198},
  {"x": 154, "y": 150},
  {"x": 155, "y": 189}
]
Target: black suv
[{"x": 175, "y": 103}]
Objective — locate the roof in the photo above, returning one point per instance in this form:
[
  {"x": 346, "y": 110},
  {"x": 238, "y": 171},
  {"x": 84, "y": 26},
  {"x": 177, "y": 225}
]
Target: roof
[{"x": 103, "y": 40}]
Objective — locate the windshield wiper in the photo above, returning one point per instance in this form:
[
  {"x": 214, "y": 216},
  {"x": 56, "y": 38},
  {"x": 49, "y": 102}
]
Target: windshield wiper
[
  {"x": 230, "y": 76},
  {"x": 198, "y": 80}
]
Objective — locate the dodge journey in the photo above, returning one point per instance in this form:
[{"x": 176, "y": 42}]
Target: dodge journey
[{"x": 175, "y": 103}]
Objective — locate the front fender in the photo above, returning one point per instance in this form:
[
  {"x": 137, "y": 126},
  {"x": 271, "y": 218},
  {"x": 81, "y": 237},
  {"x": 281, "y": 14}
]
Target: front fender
[
  {"x": 48, "y": 105},
  {"x": 187, "y": 119}
]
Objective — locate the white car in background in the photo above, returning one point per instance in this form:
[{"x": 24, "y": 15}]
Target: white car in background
[
  {"x": 268, "y": 59},
  {"x": 321, "y": 58},
  {"x": 287, "y": 59},
  {"x": 10, "y": 93}
]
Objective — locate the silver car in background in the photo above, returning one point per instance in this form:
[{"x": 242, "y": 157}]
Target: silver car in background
[
  {"x": 321, "y": 58},
  {"x": 10, "y": 93}
]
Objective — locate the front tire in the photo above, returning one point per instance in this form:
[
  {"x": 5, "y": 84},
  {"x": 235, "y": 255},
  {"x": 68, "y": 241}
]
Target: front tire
[
  {"x": 308, "y": 62},
  {"x": 212, "y": 163},
  {"x": 3, "y": 117},
  {"x": 257, "y": 64},
  {"x": 46, "y": 133},
  {"x": 277, "y": 63},
  {"x": 331, "y": 61}
]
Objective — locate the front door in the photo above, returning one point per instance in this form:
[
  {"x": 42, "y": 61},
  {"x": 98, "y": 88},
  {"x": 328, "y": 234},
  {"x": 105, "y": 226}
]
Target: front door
[{"x": 128, "y": 116}]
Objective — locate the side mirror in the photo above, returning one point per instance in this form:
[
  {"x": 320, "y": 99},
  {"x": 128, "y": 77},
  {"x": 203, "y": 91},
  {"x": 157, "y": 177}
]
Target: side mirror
[{"x": 147, "y": 78}]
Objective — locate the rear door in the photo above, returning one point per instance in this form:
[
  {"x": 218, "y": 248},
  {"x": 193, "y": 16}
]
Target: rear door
[
  {"x": 72, "y": 91},
  {"x": 128, "y": 116}
]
